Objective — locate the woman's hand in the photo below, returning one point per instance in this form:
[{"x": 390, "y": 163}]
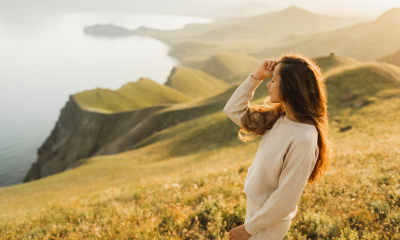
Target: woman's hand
[
  {"x": 265, "y": 69},
  {"x": 239, "y": 233}
]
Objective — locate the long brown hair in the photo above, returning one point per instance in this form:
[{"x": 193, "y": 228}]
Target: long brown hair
[{"x": 302, "y": 88}]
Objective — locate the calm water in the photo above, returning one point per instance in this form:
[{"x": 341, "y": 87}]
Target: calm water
[{"x": 45, "y": 59}]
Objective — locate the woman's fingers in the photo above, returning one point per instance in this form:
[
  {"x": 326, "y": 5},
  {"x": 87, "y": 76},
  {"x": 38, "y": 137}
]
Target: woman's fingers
[
  {"x": 270, "y": 64},
  {"x": 273, "y": 64}
]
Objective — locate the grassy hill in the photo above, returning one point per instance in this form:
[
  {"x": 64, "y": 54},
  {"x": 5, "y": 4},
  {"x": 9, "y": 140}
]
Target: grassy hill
[
  {"x": 186, "y": 181},
  {"x": 195, "y": 83},
  {"x": 186, "y": 50},
  {"x": 327, "y": 63},
  {"x": 133, "y": 95},
  {"x": 234, "y": 67},
  {"x": 230, "y": 67},
  {"x": 393, "y": 58}
]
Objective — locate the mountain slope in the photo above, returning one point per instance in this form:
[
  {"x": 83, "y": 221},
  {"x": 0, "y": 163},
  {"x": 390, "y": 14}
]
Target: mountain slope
[
  {"x": 269, "y": 25},
  {"x": 133, "y": 95},
  {"x": 197, "y": 42},
  {"x": 195, "y": 83},
  {"x": 393, "y": 58},
  {"x": 266, "y": 25},
  {"x": 362, "y": 83},
  {"x": 331, "y": 62},
  {"x": 364, "y": 41},
  {"x": 230, "y": 67}
]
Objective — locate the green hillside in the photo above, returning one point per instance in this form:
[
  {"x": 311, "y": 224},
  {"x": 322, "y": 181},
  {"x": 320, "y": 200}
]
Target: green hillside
[
  {"x": 230, "y": 67},
  {"x": 374, "y": 79},
  {"x": 186, "y": 181},
  {"x": 133, "y": 95},
  {"x": 327, "y": 63},
  {"x": 195, "y": 83}
]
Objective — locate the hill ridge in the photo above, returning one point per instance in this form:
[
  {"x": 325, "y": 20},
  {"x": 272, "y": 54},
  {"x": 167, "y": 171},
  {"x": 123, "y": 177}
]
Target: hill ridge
[
  {"x": 194, "y": 82},
  {"x": 132, "y": 95}
]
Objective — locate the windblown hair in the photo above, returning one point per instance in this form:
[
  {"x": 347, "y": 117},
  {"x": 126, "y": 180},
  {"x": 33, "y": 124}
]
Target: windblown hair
[{"x": 302, "y": 88}]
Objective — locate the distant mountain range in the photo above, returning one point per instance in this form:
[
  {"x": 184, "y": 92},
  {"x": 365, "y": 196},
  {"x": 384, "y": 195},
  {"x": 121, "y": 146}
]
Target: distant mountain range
[
  {"x": 363, "y": 41},
  {"x": 274, "y": 25},
  {"x": 293, "y": 29}
]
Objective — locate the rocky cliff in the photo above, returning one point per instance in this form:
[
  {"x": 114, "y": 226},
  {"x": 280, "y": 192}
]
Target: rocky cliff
[{"x": 80, "y": 134}]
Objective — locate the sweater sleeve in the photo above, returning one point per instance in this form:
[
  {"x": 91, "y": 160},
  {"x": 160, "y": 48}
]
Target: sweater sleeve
[
  {"x": 298, "y": 165},
  {"x": 238, "y": 104}
]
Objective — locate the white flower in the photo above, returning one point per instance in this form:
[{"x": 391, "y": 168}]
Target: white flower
[{"x": 175, "y": 185}]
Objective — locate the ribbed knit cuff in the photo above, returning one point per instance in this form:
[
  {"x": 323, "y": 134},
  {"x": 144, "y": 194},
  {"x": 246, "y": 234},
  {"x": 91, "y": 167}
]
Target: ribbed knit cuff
[{"x": 250, "y": 84}]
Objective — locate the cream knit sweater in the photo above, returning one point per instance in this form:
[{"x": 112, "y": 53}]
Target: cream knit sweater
[{"x": 284, "y": 161}]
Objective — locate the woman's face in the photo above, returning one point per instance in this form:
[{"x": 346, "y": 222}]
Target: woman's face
[{"x": 273, "y": 85}]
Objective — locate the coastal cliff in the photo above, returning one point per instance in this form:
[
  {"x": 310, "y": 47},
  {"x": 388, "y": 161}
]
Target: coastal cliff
[{"x": 81, "y": 134}]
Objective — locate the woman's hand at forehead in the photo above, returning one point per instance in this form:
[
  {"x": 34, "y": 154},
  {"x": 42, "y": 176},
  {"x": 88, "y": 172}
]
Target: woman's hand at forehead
[{"x": 265, "y": 69}]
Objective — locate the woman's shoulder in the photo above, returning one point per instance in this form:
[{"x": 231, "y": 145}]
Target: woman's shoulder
[
  {"x": 296, "y": 128},
  {"x": 300, "y": 133},
  {"x": 288, "y": 122},
  {"x": 306, "y": 139}
]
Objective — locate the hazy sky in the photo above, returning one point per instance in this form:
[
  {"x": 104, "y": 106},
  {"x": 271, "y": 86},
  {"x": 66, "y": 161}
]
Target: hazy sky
[{"x": 346, "y": 8}]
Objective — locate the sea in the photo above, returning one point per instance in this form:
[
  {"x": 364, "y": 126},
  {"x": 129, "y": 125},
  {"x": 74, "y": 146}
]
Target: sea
[{"x": 46, "y": 58}]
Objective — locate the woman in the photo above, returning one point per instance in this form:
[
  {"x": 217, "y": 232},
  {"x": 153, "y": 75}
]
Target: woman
[{"x": 294, "y": 149}]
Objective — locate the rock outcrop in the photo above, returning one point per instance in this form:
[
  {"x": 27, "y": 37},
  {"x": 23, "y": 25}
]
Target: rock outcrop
[{"x": 80, "y": 134}]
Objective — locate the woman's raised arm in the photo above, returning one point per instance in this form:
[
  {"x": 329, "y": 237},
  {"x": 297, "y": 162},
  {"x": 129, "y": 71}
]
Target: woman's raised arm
[{"x": 238, "y": 104}]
